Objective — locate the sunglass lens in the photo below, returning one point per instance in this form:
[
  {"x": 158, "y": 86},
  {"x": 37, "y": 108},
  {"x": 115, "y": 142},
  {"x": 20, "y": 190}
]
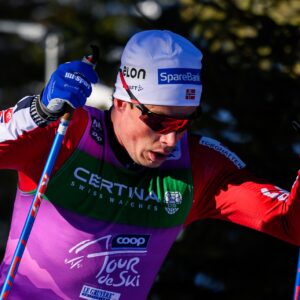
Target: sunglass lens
[{"x": 163, "y": 124}]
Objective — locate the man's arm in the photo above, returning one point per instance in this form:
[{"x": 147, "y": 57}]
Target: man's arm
[
  {"x": 24, "y": 146},
  {"x": 225, "y": 189},
  {"x": 16, "y": 120}
]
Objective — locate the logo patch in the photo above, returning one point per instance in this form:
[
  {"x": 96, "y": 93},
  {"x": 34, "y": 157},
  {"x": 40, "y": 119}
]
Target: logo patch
[
  {"x": 6, "y": 115},
  {"x": 134, "y": 73},
  {"x": 130, "y": 241},
  {"x": 89, "y": 292},
  {"x": 96, "y": 131},
  {"x": 217, "y": 146},
  {"x": 190, "y": 94},
  {"x": 179, "y": 76},
  {"x": 137, "y": 88},
  {"x": 172, "y": 199},
  {"x": 117, "y": 268},
  {"x": 275, "y": 193}
]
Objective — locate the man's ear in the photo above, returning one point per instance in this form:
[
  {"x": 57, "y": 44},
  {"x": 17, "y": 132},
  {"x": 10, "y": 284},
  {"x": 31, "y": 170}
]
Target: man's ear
[{"x": 119, "y": 104}]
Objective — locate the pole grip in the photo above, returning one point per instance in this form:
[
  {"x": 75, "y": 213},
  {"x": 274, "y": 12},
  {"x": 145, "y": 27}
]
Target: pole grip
[{"x": 67, "y": 116}]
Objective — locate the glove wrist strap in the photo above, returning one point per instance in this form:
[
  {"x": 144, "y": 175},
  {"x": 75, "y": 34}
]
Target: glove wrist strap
[{"x": 40, "y": 114}]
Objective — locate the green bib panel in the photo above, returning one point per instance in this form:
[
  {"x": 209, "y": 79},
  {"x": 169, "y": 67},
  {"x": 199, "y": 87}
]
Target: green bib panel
[{"x": 153, "y": 197}]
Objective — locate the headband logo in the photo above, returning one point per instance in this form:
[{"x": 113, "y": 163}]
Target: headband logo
[
  {"x": 179, "y": 76},
  {"x": 134, "y": 73}
]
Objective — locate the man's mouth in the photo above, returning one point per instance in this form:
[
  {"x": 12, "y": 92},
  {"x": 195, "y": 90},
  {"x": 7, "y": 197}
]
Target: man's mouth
[{"x": 155, "y": 156}]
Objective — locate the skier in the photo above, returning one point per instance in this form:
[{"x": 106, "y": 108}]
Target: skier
[{"x": 127, "y": 180}]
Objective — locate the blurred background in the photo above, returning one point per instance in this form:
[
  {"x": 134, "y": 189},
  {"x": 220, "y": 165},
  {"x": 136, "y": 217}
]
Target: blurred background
[{"x": 251, "y": 79}]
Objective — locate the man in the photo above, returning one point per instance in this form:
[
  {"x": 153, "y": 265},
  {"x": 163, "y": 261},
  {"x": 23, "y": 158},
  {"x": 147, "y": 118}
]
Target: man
[{"x": 126, "y": 180}]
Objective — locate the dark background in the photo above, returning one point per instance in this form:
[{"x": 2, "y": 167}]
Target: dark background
[{"x": 251, "y": 71}]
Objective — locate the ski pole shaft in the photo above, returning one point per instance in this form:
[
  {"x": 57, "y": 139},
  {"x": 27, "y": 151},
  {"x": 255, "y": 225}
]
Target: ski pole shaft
[
  {"x": 62, "y": 128},
  {"x": 296, "y": 125},
  {"x": 297, "y": 282}
]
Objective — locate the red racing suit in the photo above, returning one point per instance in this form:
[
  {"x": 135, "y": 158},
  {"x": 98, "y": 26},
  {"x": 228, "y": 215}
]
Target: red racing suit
[{"x": 223, "y": 188}]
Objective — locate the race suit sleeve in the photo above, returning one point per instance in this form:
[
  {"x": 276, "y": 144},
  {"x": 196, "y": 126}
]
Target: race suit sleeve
[
  {"x": 225, "y": 189},
  {"x": 24, "y": 146}
]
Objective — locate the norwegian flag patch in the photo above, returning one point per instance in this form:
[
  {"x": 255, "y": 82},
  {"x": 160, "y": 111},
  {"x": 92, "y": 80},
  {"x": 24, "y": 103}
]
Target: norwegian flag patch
[{"x": 190, "y": 94}]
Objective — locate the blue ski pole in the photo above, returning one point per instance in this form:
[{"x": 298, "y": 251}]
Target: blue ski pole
[
  {"x": 36, "y": 202},
  {"x": 35, "y": 205},
  {"x": 296, "y": 125},
  {"x": 297, "y": 283}
]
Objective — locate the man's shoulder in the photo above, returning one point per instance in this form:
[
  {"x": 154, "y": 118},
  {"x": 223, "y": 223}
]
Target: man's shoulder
[
  {"x": 81, "y": 115},
  {"x": 207, "y": 149}
]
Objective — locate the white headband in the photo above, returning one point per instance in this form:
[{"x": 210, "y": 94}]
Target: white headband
[{"x": 161, "y": 68}]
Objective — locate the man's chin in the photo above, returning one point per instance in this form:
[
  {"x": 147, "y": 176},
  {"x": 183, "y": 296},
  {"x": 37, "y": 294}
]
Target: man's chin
[
  {"x": 149, "y": 163},
  {"x": 153, "y": 163},
  {"x": 150, "y": 159}
]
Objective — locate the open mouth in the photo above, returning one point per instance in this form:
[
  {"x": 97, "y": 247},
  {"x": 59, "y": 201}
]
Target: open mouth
[{"x": 157, "y": 156}]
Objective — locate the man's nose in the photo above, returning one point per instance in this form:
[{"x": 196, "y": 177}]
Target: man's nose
[{"x": 169, "y": 139}]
